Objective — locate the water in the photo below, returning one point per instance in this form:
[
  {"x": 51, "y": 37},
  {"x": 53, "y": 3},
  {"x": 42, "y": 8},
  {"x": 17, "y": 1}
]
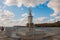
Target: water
[{"x": 45, "y": 29}]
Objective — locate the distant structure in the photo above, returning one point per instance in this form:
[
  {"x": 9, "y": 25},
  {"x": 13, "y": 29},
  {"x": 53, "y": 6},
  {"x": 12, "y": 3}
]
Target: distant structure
[
  {"x": 30, "y": 33},
  {"x": 30, "y": 25}
]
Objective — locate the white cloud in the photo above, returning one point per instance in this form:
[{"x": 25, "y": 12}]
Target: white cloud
[
  {"x": 24, "y": 15},
  {"x": 0, "y": 7},
  {"x": 40, "y": 20},
  {"x": 52, "y": 20},
  {"x": 21, "y": 21},
  {"x": 26, "y": 3},
  {"x": 6, "y": 18},
  {"x": 55, "y": 5},
  {"x": 58, "y": 17}
]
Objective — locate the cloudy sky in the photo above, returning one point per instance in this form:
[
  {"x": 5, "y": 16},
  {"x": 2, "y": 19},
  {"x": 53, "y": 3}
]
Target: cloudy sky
[{"x": 15, "y": 12}]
